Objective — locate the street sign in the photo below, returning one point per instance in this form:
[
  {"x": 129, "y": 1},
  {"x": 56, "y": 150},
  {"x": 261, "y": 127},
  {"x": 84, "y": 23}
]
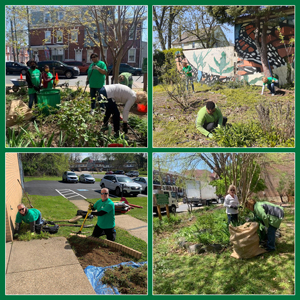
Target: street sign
[{"x": 162, "y": 199}]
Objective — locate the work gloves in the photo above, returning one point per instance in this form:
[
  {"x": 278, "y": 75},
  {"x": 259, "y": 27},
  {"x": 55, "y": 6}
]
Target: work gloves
[
  {"x": 125, "y": 127},
  {"x": 91, "y": 206},
  {"x": 233, "y": 206},
  {"x": 37, "y": 88}
]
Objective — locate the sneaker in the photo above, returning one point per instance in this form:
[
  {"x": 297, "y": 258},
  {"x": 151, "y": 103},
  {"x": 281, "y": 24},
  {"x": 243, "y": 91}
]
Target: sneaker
[
  {"x": 92, "y": 112},
  {"x": 104, "y": 128}
]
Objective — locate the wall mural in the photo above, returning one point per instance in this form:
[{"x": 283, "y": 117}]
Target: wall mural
[
  {"x": 217, "y": 64},
  {"x": 249, "y": 63}
]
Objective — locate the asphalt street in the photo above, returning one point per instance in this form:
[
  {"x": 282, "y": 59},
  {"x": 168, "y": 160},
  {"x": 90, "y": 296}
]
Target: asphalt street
[
  {"x": 72, "y": 81},
  {"x": 52, "y": 188}
]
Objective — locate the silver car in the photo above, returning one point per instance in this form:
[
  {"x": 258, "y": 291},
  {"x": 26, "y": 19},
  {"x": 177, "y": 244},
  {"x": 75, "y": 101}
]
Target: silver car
[
  {"x": 115, "y": 182},
  {"x": 87, "y": 178},
  {"x": 143, "y": 181},
  {"x": 69, "y": 176}
]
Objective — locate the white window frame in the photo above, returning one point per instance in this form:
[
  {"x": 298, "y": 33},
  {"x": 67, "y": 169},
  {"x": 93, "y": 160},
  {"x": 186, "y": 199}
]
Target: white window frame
[
  {"x": 132, "y": 33},
  {"x": 74, "y": 31},
  {"x": 48, "y": 41},
  {"x": 105, "y": 54},
  {"x": 130, "y": 55},
  {"x": 57, "y": 35},
  {"x": 45, "y": 14},
  {"x": 62, "y": 13}
]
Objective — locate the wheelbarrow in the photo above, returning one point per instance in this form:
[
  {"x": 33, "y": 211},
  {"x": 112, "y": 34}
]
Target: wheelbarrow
[{"x": 18, "y": 83}]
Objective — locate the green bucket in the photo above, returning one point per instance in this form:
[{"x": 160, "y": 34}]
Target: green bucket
[{"x": 48, "y": 98}]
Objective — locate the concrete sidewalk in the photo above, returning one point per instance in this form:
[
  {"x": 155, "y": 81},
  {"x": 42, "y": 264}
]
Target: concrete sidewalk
[
  {"x": 44, "y": 267},
  {"x": 134, "y": 226}
]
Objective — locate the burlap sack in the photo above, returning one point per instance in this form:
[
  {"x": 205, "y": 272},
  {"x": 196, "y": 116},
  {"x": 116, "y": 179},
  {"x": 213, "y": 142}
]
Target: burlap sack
[
  {"x": 245, "y": 240},
  {"x": 17, "y": 109}
]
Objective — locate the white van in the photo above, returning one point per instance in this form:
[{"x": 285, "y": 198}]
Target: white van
[{"x": 173, "y": 201}]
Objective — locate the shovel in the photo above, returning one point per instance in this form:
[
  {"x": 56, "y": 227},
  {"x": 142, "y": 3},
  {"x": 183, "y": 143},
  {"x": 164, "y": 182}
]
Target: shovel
[{"x": 87, "y": 213}]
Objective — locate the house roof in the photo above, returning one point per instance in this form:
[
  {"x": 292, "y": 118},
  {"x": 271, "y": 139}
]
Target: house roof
[{"x": 188, "y": 37}]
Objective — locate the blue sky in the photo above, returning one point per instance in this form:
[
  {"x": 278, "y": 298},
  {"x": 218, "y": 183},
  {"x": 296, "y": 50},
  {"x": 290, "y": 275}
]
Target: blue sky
[{"x": 174, "y": 168}]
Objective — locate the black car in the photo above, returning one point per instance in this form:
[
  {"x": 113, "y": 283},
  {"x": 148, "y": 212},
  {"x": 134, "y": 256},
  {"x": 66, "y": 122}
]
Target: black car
[
  {"x": 61, "y": 68},
  {"x": 126, "y": 68},
  {"x": 119, "y": 172},
  {"x": 16, "y": 67}
]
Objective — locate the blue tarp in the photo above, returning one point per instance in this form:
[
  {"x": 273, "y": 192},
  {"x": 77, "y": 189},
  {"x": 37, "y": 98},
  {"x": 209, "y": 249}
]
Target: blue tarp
[{"x": 94, "y": 275}]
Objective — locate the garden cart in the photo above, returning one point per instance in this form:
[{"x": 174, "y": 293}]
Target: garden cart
[{"x": 18, "y": 83}]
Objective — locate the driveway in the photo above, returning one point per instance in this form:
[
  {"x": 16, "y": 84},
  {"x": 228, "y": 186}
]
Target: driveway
[{"x": 54, "y": 188}]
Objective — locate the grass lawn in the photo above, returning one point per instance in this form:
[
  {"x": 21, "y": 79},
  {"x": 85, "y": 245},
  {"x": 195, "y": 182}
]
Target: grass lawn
[
  {"x": 50, "y": 178},
  {"x": 58, "y": 208},
  {"x": 175, "y": 271}
]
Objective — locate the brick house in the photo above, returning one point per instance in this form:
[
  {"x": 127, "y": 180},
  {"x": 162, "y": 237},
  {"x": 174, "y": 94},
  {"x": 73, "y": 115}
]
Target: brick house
[
  {"x": 13, "y": 191},
  {"x": 50, "y": 41}
]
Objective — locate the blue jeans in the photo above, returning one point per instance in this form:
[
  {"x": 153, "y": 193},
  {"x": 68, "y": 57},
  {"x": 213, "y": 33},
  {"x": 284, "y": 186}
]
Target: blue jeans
[
  {"x": 189, "y": 80},
  {"x": 271, "y": 87},
  {"x": 271, "y": 238},
  {"x": 39, "y": 220},
  {"x": 32, "y": 98},
  {"x": 232, "y": 218},
  {"x": 93, "y": 92}
]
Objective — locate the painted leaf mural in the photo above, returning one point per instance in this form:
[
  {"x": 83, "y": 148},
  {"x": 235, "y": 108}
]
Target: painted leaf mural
[{"x": 221, "y": 65}]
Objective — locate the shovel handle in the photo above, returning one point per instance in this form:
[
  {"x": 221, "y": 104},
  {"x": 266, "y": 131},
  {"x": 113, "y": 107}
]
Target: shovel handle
[{"x": 87, "y": 213}]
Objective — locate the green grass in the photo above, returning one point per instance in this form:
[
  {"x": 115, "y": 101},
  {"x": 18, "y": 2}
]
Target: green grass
[
  {"x": 58, "y": 208},
  {"x": 177, "y": 272},
  {"x": 50, "y": 178}
]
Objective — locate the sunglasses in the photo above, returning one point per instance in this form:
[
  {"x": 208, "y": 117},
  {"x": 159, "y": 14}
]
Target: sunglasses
[
  {"x": 21, "y": 208},
  {"x": 93, "y": 56},
  {"x": 103, "y": 193},
  {"x": 232, "y": 190}
]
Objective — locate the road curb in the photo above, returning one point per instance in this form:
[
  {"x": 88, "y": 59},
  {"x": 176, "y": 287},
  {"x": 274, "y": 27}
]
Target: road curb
[{"x": 114, "y": 245}]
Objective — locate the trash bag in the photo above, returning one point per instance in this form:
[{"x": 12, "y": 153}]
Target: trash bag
[
  {"x": 245, "y": 240},
  {"x": 17, "y": 109}
]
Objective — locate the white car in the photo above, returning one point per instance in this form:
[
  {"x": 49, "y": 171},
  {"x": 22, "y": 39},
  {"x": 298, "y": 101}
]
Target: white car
[
  {"x": 86, "y": 178},
  {"x": 69, "y": 176},
  {"x": 133, "y": 173},
  {"x": 115, "y": 182},
  {"x": 143, "y": 181}
]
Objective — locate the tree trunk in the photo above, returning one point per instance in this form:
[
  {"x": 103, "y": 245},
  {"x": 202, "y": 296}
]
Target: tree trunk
[{"x": 159, "y": 27}]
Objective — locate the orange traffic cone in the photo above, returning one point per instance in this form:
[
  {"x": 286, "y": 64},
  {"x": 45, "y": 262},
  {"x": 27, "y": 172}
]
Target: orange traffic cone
[
  {"x": 21, "y": 76},
  {"x": 56, "y": 77}
]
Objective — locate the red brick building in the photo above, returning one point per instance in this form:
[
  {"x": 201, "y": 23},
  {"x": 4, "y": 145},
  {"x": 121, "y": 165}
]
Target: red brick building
[{"x": 50, "y": 41}]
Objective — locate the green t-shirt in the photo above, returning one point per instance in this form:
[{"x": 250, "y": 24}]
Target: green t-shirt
[
  {"x": 127, "y": 79},
  {"x": 188, "y": 71},
  {"x": 270, "y": 79},
  {"x": 31, "y": 216},
  {"x": 35, "y": 76},
  {"x": 108, "y": 220},
  {"x": 96, "y": 79},
  {"x": 203, "y": 117}
]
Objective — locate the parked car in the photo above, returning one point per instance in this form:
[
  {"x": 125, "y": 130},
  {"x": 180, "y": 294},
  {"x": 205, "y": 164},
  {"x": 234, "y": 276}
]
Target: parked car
[
  {"x": 119, "y": 172},
  {"x": 125, "y": 68},
  {"x": 16, "y": 67},
  {"x": 83, "y": 67},
  {"x": 116, "y": 182},
  {"x": 143, "y": 181},
  {"x": 87, "y": 178},
  {"x": 69, "y": 176},
  {"x": 133, "y": 173},
  {"x": 60, "y": 68},
  {"x": 109, "y": 172}
]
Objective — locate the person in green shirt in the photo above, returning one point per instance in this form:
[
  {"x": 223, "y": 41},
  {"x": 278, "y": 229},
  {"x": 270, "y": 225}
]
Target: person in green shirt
[
  {"x": 33, "y": 79},
  {"x": 208, "y": 118},
  {"x": 96, "y": 78},
  {"x": 47, "y": 78},
  {"x": 106, "y": 216},
  {"x": 271, "y": 82},
  {"x": 187, "y": 70},
  {"x": 269, "y": 216},
  {"x": 30, "y": 216},
  {"x": 125, "y": 78}
]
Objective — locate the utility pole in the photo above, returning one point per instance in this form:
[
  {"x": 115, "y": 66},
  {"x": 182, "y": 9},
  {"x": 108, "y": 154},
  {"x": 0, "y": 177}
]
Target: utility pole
[
  {"x": 13, "y": 39},
  {"x": 28, "y": 30}
]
